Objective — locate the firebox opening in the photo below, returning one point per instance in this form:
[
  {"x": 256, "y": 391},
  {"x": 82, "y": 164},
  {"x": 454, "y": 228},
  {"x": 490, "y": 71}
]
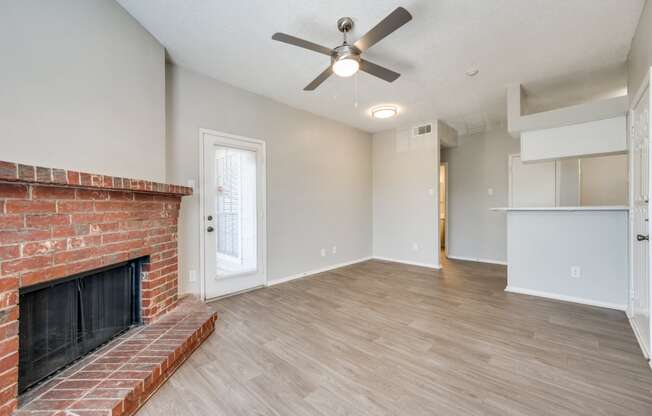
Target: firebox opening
[{"x": 63, "y": 320}]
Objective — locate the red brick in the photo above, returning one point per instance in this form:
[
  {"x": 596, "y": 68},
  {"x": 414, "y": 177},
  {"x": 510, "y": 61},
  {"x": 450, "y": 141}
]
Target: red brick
[
  {"x": 8, "y": 394},
  {"x": 87, "y": 218},
  {"x": 85, "y": 178},
  {"x": 9, "y": 252},
  {"x": 11, "y": 222},
  {"x": 26, "y": 173},
  {"x": 43, "y": 247},
  {"x": 8, "y": 237},
  {"x": 59, "y": 176},
  {"x": 107, "y": 181},
  {"x": 8, "y": 170},
  {"x": 9, "y": 330},
  {"x": 12, "y": 190},
  {"x": 59, "y": 271},
  {"x": 72, "y": 256},
  {"x": 8, "y": 283},
  {"x": 9, "y": 316},
  {"x": 8, "y": 346},
  {"x": 121, "y": 196},
  {"x": 73, "y": 177},
  {"x": 43, "y": 174},
  {"x": 74, "y": 206},
  {"x": 8, "y": 299},
  {"x": 45, "y": 221},
  {"x": 30, "y": 207},
  {"x": 92, "y": 194},
  {"x": 28, "y": 263},
  {"x": 74, "y": 230},
  {"x": 52, "y": 192},
  {"x": 9, "y": 361},
  {"x": 85, "y": 241},
  {"x": 8, "y": 408}
]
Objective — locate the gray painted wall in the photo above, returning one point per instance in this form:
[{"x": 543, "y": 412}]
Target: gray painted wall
[
  {"x": 318, "y": 174},
  {"x": 82, "y": 87},
  {"x": 477, "y": 164},
  {"x": 605, "y": 180},
  {"x": 405, "y": 207},
  {"x": 640, "y": 55}
]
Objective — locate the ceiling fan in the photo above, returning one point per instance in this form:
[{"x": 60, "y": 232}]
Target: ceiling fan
[{"x": 346, "y": 58}]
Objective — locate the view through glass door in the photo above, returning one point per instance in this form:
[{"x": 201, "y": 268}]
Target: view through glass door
[{"x": 233, "y": 214}]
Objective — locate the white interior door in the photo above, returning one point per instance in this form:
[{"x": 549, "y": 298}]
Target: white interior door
[
  {"x": 233, "y": 214},
  {"x": 640, "y": 282},
  {"x": 532, "y": 184}
]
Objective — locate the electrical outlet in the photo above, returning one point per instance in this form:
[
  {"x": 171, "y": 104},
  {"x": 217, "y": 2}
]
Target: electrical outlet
[
  {"x": 334, "y": 250},
  {"x": 490, "y": 191},
  {"x": 192, "y": 276},
  {"x": 431, "y": 191},
  {"x": 323, "y": 252},
  {"x": 576, "y": 271},
  {"x": 415, "y": 247}
]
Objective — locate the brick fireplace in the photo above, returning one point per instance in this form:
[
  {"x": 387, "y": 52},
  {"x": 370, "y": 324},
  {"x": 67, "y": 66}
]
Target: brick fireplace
[{"x": 56, "y": 223}]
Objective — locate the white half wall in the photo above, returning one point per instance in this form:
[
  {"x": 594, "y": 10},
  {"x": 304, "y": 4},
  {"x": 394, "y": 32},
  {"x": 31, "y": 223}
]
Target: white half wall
[
  {"x": 405, "y": 189},
  {"x": 318, "y": 175},
  {"x": 543, "y": 246},
  {"x": 82, "y": 88}
]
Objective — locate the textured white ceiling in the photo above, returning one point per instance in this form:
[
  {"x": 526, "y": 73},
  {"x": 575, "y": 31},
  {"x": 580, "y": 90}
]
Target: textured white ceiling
[{"x": 525, "y": 41}]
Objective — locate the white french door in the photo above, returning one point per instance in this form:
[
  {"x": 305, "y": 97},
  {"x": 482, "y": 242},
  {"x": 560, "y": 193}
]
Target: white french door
[
  {"x": 639, "y": 305},
  {"x": 233, "y": 214}
]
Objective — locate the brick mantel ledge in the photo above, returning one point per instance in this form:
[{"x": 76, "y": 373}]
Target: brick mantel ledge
[{"x": 16, "y": 172}]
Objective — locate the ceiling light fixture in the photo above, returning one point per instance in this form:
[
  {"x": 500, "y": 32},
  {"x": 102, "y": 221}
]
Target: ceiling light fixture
[
  {"x": 471, "y": 72},
  {"x": 384, "y": 111},
  {"x": 346, "y": 61}
]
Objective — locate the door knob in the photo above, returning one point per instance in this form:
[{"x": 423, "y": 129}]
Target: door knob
[
  {"x": 641, "y": 237},
  {"x": 210, "y": 229}
]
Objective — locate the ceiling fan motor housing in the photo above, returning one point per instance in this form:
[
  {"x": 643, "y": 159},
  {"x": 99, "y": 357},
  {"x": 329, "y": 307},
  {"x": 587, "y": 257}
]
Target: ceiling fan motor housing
[{"x": 345, "y": 52}]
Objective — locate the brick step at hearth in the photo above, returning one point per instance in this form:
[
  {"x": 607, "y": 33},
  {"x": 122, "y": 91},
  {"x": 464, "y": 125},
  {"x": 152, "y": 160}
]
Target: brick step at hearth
[{"x": 118, "y": 378}]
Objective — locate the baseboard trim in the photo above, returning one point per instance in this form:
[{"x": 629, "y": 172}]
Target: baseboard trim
[
  {"x": 477, "y": 260},
  {"x": 641, "y": 344},
  {"x": 411, "y": 263},
  {"x": 565, "y": 298},
  {"x": 315, "y": 271}
]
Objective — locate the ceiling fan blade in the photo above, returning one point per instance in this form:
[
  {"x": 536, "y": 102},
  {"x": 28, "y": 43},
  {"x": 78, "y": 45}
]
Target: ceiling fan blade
[
  {"x": 378, "y": 71},
  {"x": 320, "y": 78},
  {"x": 393, "y": 21},
  {"x": 292, "y": 40}
]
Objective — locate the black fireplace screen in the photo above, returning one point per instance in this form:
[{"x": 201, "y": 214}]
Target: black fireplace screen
[{"x": 64, "y": 320}]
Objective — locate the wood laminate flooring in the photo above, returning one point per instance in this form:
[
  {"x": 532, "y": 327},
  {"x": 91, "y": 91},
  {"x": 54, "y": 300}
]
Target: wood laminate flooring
[{"x": 380, "y": 338}]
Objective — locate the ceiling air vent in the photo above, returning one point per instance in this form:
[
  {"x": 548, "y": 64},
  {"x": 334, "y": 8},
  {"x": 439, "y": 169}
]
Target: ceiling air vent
[{"x": 422, "y": 130}]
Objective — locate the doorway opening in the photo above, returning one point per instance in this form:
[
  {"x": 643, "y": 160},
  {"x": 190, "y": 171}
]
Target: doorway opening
[{"x": 443, "y": 210}]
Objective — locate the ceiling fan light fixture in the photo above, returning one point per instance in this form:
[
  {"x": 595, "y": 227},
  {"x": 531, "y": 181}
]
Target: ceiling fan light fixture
[
  {"x": 346, "y": 66},
  {"x": 384, "y": 111}
]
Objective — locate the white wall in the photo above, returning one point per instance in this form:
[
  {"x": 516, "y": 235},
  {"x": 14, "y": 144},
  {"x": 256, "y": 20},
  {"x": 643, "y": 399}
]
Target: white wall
[
  {"x": 544, "y": 245},
  {"x": 405, "y": 206},
  {"x": 477, "y": 164},
  {"x": 577, "y": 140},
  {"x": 82, "y": 87},
  {"x": 640, "y": 54},
  {"x": 318, "y": 174}
]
